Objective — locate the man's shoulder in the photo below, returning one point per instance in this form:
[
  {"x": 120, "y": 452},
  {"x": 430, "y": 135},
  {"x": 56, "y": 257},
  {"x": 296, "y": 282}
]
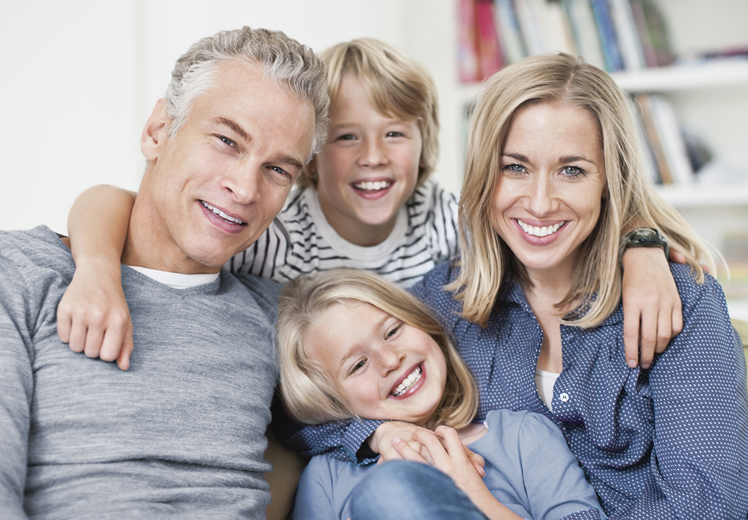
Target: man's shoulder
[
  {"x": 265, "y": 293},
  {"x": 39, "y": 248}
]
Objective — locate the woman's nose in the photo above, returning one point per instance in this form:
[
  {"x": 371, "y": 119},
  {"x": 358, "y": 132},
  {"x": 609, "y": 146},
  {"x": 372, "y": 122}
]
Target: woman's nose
[{"x": 540, "y": 196}]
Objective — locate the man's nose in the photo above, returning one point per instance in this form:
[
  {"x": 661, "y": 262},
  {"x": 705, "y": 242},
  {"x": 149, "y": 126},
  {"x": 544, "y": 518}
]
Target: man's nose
[{"x": 243, "y": 182}]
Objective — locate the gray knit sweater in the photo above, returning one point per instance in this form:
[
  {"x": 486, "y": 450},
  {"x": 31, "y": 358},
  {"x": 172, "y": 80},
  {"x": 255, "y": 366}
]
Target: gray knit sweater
[{"x": 180, "y": 434}]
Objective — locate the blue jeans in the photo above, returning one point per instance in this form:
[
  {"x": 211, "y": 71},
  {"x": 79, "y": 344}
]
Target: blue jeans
[{"x": 402, "y": 489}]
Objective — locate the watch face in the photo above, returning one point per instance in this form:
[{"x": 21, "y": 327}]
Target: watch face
[{"x": 647, "y": 233}]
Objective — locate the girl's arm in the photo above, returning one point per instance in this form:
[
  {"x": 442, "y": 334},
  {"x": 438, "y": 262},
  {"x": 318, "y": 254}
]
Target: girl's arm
[
  {"x": 652, "y": 313},
  {"x": 93, "y": 316}
]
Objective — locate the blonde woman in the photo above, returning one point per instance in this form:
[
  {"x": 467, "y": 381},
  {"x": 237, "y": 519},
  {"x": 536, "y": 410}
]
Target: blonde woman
[
  {"x": 353, "y": 345},
  {"x": 554, "y": 177}
]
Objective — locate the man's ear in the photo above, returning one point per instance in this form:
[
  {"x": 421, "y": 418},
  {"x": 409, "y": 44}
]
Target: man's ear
[{"x": 154, "y": 134}]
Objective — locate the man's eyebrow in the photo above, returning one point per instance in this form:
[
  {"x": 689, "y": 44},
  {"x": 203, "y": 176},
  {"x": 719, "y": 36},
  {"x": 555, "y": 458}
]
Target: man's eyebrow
[
  {"x": 287, "y": 159},
  {"x": 233, "y": 125}
]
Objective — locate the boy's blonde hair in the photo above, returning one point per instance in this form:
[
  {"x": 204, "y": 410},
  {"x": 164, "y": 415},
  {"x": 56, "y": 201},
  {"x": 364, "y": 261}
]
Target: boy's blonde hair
[
  {"x": 309, "y": 394},
  {"x": 396, "y": 86},
  {"x": 630, "y": 200}
]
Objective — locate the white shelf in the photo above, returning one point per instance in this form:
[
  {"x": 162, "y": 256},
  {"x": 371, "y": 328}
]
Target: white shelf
[
  {"x": 690, "y": 76},
  {"x": 696, "y": 196}
]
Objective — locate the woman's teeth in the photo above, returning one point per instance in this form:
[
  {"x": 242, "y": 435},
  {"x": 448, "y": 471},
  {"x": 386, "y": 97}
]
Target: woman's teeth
[
  {"x": 408, "y": 382},
  {"x": 372, "y": 186},
  {"x": 540, "y": 231},
  {"x": 221, "y": 214}
]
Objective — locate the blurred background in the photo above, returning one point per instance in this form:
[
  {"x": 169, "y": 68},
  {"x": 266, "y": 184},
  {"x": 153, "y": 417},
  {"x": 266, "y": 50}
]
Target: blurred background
[{"x": 81, "y": 76}]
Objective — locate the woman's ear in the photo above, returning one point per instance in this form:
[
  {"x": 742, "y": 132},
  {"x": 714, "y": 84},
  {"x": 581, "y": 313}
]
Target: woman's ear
[{"x": 154, "y": 135}]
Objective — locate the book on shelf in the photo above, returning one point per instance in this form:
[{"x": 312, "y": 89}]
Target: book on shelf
[
  {"x": 610, "y": 34},
  {"x": 677, "y": 154}
]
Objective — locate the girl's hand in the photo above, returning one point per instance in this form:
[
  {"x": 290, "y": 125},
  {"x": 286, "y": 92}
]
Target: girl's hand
[
  {"x": 451, "y": 457},
  {"x": 382, "y": 442},
  {"x": 93, "y": 316},
  {"x": 652, "y": 312}
]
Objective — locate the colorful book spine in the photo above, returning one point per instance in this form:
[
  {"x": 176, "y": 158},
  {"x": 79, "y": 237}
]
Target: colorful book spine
[
  {"x": 607, "y": 34},
  {"x": 628, "y": 36},
  {"x": 467, "y": 48},
  {"x": 490, "y": 58},
  {"x": 511, "y": 40}
]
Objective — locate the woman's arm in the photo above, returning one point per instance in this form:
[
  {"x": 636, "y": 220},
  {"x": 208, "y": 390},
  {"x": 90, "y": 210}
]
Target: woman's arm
[
  {"x": 93, "y": 316},
  {"x": 699, "y": 457}
]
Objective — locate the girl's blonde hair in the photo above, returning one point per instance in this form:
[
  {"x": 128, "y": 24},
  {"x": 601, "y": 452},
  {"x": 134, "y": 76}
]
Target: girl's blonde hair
[
  {"x": 396, "y": 86},
  {"x": 630, "y": 200},
  {"x": 310, "y": 395}
]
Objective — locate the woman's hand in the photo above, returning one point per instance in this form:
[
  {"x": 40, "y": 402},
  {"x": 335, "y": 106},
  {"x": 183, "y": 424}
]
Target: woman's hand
[
  {"x": 652, "y": 312},
  {"x": 452, "y": 458},
  {"x": 93, "y": 316}
]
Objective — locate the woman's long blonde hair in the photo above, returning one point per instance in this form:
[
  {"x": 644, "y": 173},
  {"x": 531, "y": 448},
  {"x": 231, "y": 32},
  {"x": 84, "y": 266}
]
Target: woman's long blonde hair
[
  {"x": 309, "y": 394},
  {"x": 630, "y": 202}
]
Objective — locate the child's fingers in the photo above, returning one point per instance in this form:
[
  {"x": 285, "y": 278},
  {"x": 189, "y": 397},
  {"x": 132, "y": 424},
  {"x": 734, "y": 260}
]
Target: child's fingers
[
  {"x": 94, "y": 339},
  {"x": 452, "y": 442},
  {"x": 64, "y": 325},
  {"x": 406, "y": 452},
  {"x": 123, "y": 360},
  {"x": 676, "y": 256},
  {"x": 648, "y": 342},
  {"x": 434, "y": 447},
  {"x": 631, "y": 325}
]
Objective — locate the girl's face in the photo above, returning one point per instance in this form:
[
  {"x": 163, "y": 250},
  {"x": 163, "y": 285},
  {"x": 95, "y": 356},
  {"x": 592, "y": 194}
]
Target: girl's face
[
  {"x": 551, "y": 185},
  {"x": 367, "y": 169},
  {"x": 382, "y": 367}
]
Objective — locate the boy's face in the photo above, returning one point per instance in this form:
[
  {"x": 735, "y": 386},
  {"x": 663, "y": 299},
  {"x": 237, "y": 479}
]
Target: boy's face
[{"x": 367, "y": 169}]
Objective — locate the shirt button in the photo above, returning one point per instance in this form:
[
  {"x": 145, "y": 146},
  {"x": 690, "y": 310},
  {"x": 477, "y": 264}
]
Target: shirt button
[{"x": 564, "y": 397}]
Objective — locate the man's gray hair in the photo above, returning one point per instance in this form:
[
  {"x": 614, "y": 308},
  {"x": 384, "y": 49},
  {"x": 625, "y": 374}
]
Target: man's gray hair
[{"x": 284, "y": 61}]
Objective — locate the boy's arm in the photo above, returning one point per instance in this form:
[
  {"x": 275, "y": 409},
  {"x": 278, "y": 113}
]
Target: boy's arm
[
  {"x": 93, "y": 316},
  {"x": 652, "y": 312}
]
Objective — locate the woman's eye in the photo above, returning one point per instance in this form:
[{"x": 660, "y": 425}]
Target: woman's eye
[
  {"x": 392, "y": 331},
  {"x": 514, "y": 168},
  {"x": 395, "y": 134},
  {"x": 572, "y": 171},
  {"x": 358, "y": 366}
]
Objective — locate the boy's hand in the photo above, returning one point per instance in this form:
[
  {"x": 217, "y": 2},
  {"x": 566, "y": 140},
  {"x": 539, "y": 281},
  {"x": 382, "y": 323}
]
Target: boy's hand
[
  {"x": 652, "y": 311},
  {"x": 93, "y": 316}
]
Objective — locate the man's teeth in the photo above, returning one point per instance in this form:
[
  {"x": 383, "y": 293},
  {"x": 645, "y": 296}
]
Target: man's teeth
[
  {"x": 372, "y": 185},
  {"x": 408, "y": 382},
  {"x": 222, "y": 214},
  {"x": 540, "y": 231}
]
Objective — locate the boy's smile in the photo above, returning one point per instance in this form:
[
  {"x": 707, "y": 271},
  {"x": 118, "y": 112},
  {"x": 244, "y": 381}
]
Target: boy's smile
[{"x": 368, "y": 169}]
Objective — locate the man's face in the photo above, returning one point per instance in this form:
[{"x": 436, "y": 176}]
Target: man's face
[{"x": 216, "y": 185}]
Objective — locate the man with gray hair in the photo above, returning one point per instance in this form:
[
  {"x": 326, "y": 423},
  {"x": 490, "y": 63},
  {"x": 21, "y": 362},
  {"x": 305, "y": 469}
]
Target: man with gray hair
[{"x": 180, "y": 434}]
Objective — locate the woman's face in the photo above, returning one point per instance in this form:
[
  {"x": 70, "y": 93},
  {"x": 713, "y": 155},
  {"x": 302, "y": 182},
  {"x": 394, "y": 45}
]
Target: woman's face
[
  {"x": 551, "y": 185},
  {"x": 383, "y": 368}
]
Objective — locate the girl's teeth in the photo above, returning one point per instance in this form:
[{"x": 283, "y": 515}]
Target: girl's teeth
[
  {"x": 408, "y": 382},
  {"x": 540, "y": 231}
]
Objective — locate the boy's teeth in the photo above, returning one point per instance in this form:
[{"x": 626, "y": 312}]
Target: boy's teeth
[
  {"x": 222, "y": 214},
  {"x": 409, "y": 381},
  {"x": 372, "y": 185},
  {"x": 540, "y": 231}
]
